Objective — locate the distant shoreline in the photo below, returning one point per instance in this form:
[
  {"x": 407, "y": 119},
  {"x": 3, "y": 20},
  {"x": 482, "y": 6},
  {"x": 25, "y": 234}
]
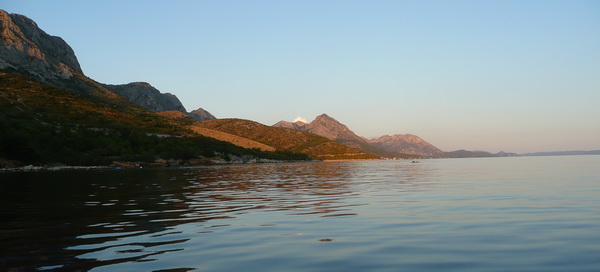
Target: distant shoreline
[
  {"x": 162, "y": 165},
  {"x": 204, "y": 163},
  {"x": 138, "y": 165}
]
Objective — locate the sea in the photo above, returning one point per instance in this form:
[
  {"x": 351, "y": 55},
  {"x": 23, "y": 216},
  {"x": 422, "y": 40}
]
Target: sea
[{"x": 483, "y": 214}]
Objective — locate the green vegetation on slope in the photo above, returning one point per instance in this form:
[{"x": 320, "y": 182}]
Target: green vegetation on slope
[
  {"x": 31, "y": 99},
  {"x": 40, "y": 124}
]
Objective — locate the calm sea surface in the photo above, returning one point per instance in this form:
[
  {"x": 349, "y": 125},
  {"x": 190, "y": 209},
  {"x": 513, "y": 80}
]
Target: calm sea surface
[{"x": 493, "y": 214}]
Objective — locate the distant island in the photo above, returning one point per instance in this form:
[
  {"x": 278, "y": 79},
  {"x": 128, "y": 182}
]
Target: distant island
[{"x": 563, "y": 153}]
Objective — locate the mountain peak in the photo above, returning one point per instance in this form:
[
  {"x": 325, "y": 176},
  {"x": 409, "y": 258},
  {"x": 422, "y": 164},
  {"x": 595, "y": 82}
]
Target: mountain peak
[
  {"x": 325, "y": 116},
  {"x": 146, "y": 96},
  {"x": 201, "y": 114},
  {"x": 27, "y": 48},
  {"x": 141, "y": 83},
  {"x": 385, "y": 146},
  {"x": 328, "y": 127},
  {"x": 323, "y": 125}
]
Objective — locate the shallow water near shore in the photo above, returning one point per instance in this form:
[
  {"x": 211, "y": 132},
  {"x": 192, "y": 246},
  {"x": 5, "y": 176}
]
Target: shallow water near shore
[{"x": 489, "y": 214}]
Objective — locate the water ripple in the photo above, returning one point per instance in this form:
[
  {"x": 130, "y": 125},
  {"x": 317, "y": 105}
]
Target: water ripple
[{"x": 333, "y": 216}]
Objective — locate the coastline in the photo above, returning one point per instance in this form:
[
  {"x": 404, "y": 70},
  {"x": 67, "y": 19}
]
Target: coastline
[{"x": 119, "y": 165}]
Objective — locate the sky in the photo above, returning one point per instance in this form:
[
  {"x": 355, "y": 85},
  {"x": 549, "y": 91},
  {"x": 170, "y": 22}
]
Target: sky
[{"x": 514, "y": 76}]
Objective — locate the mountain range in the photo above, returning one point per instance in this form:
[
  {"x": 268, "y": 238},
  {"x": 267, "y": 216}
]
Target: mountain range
[
  {"x": 477, "y": 154},
  {"x": 44, "y": 91},
  {"x": 46, "y": 98},
  {"x": 387, "y": 146},
  {"x": 328, "y": 127},
  {"x": 28, "y": 50},
  {"x": 564, "y": 153},
  {"x": 285, "y": 139}
]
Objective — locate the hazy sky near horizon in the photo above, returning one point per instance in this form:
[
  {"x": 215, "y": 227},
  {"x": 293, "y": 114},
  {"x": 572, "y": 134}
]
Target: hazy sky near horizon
[{"x": 516, "y": 76}]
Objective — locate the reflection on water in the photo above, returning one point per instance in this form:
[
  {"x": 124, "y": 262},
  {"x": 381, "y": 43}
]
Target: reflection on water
[
  {"x": 332, "y": 216},
  {"x": 89, "y": 219}
]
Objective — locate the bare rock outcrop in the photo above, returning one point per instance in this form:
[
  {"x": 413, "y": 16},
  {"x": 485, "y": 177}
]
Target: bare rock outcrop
[
  {"x": 27, "y": 48},
  {"x": 148, "y": 97}
]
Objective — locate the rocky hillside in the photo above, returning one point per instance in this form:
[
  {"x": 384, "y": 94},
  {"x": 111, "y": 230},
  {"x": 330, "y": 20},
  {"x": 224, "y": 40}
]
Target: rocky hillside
[
  {"x": 43, "y": 125},
  {"x": 26, "y": 47},
  {"x": 52, "y": 113},
  {"x": 28, "y": 50},
  {"x": 287, "y": 140},
  {"x": 407, "y": 143},
  {"x": 148, "y": 97},
  {"x": 330, "y": 128}
]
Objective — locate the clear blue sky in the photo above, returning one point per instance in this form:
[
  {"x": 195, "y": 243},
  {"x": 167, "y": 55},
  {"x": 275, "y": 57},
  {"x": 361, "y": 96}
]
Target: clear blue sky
[{"x": 516, "y": 76}]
